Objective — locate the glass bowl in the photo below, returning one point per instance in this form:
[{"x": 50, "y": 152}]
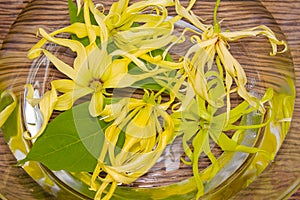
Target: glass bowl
[{"x": 169, "y": 178}]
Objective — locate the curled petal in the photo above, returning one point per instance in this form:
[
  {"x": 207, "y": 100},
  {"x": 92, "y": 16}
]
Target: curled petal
[
  {"x": 126, "y": 80},
  {"x": 64, "y": 85},
  {"x": 195, "y": 68},
  {"x": 30, "y": 95},
  {"x": 131, "y": 57},
  {"x": 59, "y": 64},
  {"x": 79, "y": 6},
  {"x": 74, "y": 45},
  {"x": 259, "y": 30},
  {"x": 71, "y": 91},
  {"x": 116, "y": 68},
  {"x": 237, "y": 73},
  {"x": 96, "y": 104},
  {"x": 142, "y": 125},
  {"x": 139, "y": 38},
  {"x": 160, "y": 62},
  {"x": 112, "y": 111},
  {"x": 103, "y": 31},
  {"x": 144, "y": 4},
  {"x": 183, "y": 12},
  {"x": 90, "y": 31},
  {"x": 8, "y": 109},
  {"x": 121, "y": 177},
  {"x": 103, "y": 186},
  {"x": 130, "y": 171},
  {"x": 46, "y": 106},
  {"x": 144, "y": 143},
  {"x": 78, "y": 29}
]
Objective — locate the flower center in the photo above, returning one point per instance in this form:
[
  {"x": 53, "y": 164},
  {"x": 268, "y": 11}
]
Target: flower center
[{"x": 96, "y": 85}]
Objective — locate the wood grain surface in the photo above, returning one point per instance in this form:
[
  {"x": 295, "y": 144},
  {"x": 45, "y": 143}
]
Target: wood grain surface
[{"x": 16, "y": 184}]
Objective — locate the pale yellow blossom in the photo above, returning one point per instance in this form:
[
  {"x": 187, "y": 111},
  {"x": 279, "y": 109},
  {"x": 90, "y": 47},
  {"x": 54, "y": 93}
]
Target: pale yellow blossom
[
  {"x": 210, "y": 43},
  {"x": 145, "y": 139}
]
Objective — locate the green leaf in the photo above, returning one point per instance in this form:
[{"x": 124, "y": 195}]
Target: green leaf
[
  {"x": 159, "y": 52},
  {"x": 72, "y": 141},
  {"x": 80, "y": 18},
  {"x": 73, "y": 12},
  {"x": 148, "y": 83},
  {"x": 5, "y": 101},
  {"x": 10, "y": 127}
]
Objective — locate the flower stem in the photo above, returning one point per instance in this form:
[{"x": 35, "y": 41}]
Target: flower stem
[{"x": 217, "y": 27}]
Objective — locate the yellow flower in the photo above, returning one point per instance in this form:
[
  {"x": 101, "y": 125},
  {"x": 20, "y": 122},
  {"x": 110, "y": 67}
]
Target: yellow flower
[
  {"x": 203, "y": 123},
  {"x": 140, "y": 26},
  {"x": 206, "y": 112},
  {"x": 145, "y": 139},
  {"x": 210, "y": 44},
  {"x": 94, "y": 69}
]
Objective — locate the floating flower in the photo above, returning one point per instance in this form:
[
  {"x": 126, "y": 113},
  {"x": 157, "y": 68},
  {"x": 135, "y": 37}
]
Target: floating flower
[
  {"x": 94, "y": 69},
  {"x": 201, "y": 123},
  {"x": 142, "y": 26},
  {"x": 210, "y": 43},
  {"x": 147, "y": 129}
]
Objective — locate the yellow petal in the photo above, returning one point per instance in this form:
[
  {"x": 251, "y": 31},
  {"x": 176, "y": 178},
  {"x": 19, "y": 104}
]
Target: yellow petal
[
  {"x": 168, "y": 132},
  {"x": 136, "y": 166},
  {"x": 103, "y": 187},
  {"x": 96, "y": 104},
  {"x": 98, "y": 62},
  {"x": 118, "y": 7},
  {"x": 141, "y": 5},
  {"x": 79, "y": 5},
  {"x": 136, "y": 39},
  {"x": 84, "y": 76},
  {"x": 132, "y": 57},
  {"x": 125, "y": 80},
  {"x": 160, "y": 62},
  {"x": 87, "y": 20},
  {"x": 60, "y": 65},
  {"x": 259, "y": 30},
  {"x": 66, "y": 100},
  {"x": 30, "y": 95},
  {"x": 78, "y": 29},
  {"x": 117, "y": 67},
  {"x": 235, "y": 70},
  {"x": 181, "y": 11},
  {"x": 131, "y": 146},
  {"x": 195, "y": 70},
  {"x": 111, "y": 136},
  {"x": 112, "y": 111},
  {"x": 6, "y": 112},
  {"x": 103, "y": 31},
  {"x": 120, "y": 177},
  {"x": 135, "y": 160},
  {"x": 46, "y": 106},
  {"x": 63, "y": 85},
  {"x": 74, "y": 45},
  {"x": 142, "y": 126}
]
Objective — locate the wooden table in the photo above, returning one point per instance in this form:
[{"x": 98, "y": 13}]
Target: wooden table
[{"x": 16, "y": 184}]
